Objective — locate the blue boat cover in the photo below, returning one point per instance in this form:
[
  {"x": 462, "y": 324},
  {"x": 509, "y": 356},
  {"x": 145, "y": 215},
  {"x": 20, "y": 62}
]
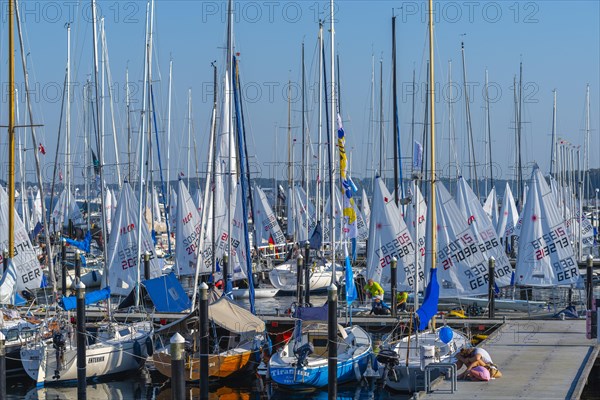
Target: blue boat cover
[
  {"x": 312, "y": 313},
  {"x": 70, "y": 303},
  {"x": 167, "y": 294}
]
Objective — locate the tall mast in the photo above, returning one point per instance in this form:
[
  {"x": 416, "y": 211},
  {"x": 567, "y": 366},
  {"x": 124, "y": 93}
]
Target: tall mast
[
  {"x": 230, "y": 177},
  {"x": 412, "y": 124},
  {"x": 432, "y": 200},
  {"x": 189, "y": 136},
  {"x": 168, "y": 191},
  {"x": 381, "y": 152},
  {"x": 68, "y": 116},
  {"x": 587, "y": 143},
  {"x": 489, "y": 128},
  {"x": 304, "y": 178},
  {"x": 100, "y": 149},
  {"x": 395, "y": 137},
  {"x": 372, "y": 135},
  {"x": 11, "y": 131},
  {"x": 128, "y": 107},
  {"x": 553, "y": 146},
  {"x": 320, "y": 127},
  {"x": 332, "y": 145},
  {"x": 519, "y": 121},
  {"x": 472, "y": 162}
]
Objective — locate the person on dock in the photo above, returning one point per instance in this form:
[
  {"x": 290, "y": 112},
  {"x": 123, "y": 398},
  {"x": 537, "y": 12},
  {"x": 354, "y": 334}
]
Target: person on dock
[
  {"x": 472, "y": 357},
  {"x": 375, "y": 291},
  {"x": 401, "y": 299}
]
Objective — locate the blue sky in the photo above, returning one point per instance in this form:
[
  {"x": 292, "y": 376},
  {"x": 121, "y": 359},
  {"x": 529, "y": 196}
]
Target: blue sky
[{"x": 557, "y": 41}]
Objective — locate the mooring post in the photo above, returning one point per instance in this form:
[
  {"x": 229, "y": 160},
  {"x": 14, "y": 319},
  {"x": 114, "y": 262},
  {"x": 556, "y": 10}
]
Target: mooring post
[
  {"x": 203, "y": 340},
  {"x": 299, "y": 279},
  {"x": 491, "y": 287},
  {"x": 393, "y": 284},
  {"x": 77, "y": 265},
  {"x": 81, "y": 341},
  {"x": 589, "y": 286},
  {"x": 307, "y": 275},
  {"x": 225, "y": 272},
  {"x": 332, "y": 329},
  {"x": 177, "y": 367}
]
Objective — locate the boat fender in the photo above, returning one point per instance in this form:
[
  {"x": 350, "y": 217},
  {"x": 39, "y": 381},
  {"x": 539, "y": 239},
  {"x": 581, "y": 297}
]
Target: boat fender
[
  {"x": 94, "y": 276},
  {"x": 149, "y": 346}
]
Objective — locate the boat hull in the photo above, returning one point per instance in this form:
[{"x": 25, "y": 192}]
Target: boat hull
[{"x": 221, "y": 366}]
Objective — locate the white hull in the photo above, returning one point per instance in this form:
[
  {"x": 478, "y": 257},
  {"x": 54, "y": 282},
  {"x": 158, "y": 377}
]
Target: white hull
[
  {"x": 500, "y": 304},
  {"x": 124, "y": 350},
  {"x": 259, "y": 293},
  {"x": 410, "y": 377},
  {"x": 284, "y": 276}
]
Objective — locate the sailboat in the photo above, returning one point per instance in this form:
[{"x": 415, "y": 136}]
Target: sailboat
[
  {"x": 302, "y": 363},
  {"x": 235, "y": 339},
  {"x": 404, "y": 362}
]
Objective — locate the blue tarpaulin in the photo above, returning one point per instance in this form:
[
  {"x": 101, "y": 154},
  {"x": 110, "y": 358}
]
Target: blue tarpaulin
[
  {"x": 430, "y": 304},
  {"x": 83, "y": 244},
  {"x": 167, "y": 294},
  {"x": 312, "y": 313},
  {"x": 70, "y": 303}
]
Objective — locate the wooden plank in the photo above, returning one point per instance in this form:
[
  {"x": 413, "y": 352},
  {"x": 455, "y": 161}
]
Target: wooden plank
[{"x": 539, "y": 359}]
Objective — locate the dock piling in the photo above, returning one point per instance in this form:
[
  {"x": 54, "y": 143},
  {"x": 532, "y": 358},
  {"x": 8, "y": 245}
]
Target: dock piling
[
  {"x": 393, "y": 284},
  {"x": 203, "y": 340},
  {"x": 299, "y": 278},
  {"x": 332, "y": 298},
  {"x": 2, "y": 366},
  {"x": 81, "y": 341},
  {"x": 491, "y": 287},
  {"x": 177, "y": 367},
  {"x": 589, "y": 286}
]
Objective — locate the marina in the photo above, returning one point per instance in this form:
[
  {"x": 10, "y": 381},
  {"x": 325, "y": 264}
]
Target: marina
[{"x": 186, "y": 240}]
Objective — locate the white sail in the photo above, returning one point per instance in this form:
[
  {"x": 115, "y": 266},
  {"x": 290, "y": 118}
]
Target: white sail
[
  {"x": 461, "y": 261},
  {"x": 545, "y": 255},
  {"x": 338, "y": 222},
  {"x": 26, "y": 265},
  {"x": 362, "y": 225},
  {"x": 265, "y": 221},
  {"x": 189, "y": 227},
  {"x": 113, "y": 202},
  {"x": 123, "y": 245},
  {"x": 199, "y": 201},
  {"x": 365, "y": 208},
  {"x": 238, "y": 264},
  {"x": 66, "y": 209},
  {"x": 36, "y": 212},
  {"x": 491, "y": 207},
  {"x": 290, "y": 212},
  {"x": 389, "y": 237},
  {"x": 509, "y": 216},
  {"x": 108, "y": 210},
  {"x": 416, "y": 215},
  {"x": 484, "y": 231},
  {"x": 173, "y": 211}
]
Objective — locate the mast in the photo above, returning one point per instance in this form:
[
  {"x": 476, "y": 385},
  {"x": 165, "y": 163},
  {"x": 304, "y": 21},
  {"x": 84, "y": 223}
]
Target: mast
[
  {"x": 128, "y": 107},
  {"x": 189, "y": 146},
  {"x": 68, "y": 117},
  {"x": 11, "y": 131},
  {"x": 472, "y": 163},
  {"x": 372, "y": 134},
  {"x": 304, "y": 178},
  {"x": 553, "y": 146},
  {"x": 168, "y": 203},
  {"x": 230, "y": 178},
  {"x": 412, "y": 124},
  {"x": 214, "y": 172},
  {"x": 381, "y": 156},
  {"x": 332, "y": 146},
  {"x": 489, "y": 128},
  {"x": 100, "y": 151},
  {"x": 519, "y": 121},
  {"x": 587, "y": 146},
  {"x": 395, "y": 111},
  {"x": 320, "y": 127},
  {"x": 432, "y": 200}
]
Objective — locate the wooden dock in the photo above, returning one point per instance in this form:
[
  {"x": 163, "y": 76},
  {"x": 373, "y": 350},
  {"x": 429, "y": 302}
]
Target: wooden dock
[{"x": 539, "y": 359}]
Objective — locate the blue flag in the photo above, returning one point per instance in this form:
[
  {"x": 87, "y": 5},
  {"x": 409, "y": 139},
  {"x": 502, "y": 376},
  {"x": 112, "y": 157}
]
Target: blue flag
[{"x": 429, "y": 308}]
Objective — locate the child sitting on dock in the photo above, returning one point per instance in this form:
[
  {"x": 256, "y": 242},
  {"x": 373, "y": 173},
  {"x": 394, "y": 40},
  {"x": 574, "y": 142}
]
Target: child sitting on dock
[{"x": 473, "y": 358}]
